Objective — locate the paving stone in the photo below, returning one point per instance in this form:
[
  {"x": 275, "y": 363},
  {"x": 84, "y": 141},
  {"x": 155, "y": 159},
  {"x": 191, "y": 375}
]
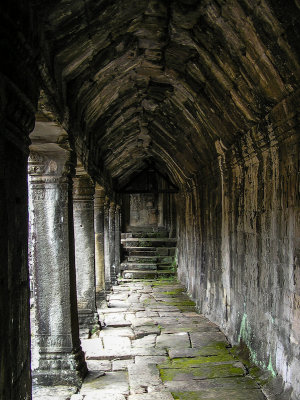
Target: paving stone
[
  {"x": 141, "y": 321},
  {"x": 152, "y": 351},
  {"x": 118, "y": 296},
  {"x": 102, "y": 395},
  {"x": 116, "y": 353},
  {"x": 140, "y": 379},
  {"x": 243, "y": 383},
  {"x": 121, "y": 288},
  {"x": 99, "y": 365},
  {"x": 195, "y": 352},
  {"x": 158, "y": 327},
  {"x": 204, "y": 371},
  {"x": 225, "y": 394},
  {"x": 116, "y": 320},
  {"x": 174, "y": 340},
  {"x": 146, "y": 314},
  {"x": 121, "y": 365},
  {"x": 111, "y": 382},
  {"x": 116, "y": 343},
  {"x": 151, "y": 396},
  {"x": 117, "y": 304},
  {"x": 110, "y": 310},
  {"x": 161, "y": 307},
  {"x": 117, "y": 332},
  {"x": 92, "y": 347},
  {"x": 150, "y": 359},
  {"x": 145, "y": 330},
  {"x": 188, "y": 327},
  {"x": 146, "y": 341},
  {"x": 199, "y": 339}
]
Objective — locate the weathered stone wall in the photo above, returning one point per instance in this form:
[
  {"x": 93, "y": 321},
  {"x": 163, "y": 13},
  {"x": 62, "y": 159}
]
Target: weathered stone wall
[{"x": 240, "y": 256}]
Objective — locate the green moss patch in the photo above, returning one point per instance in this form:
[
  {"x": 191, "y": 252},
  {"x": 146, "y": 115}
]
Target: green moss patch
[
  {"x": 205, "y": 371},
  {"x": 198, "y": 361},
  {"x": 174, "y": 292},
  {"x": 186, "y": 395}
]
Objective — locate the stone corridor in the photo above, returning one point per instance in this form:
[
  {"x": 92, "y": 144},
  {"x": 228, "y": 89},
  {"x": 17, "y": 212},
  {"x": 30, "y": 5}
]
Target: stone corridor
[{"x": 155, "y": 346}]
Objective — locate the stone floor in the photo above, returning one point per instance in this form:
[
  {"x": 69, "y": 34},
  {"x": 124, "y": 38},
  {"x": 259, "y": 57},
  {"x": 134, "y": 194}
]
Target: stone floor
[{"x": 156, "y": 347}]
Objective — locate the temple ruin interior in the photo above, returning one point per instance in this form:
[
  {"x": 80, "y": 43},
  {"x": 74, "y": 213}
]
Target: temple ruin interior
[{"x": 150, "y": 163}]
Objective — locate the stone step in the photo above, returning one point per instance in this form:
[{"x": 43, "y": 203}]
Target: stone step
[
  {"x": 144, "y": 274},
  {"x": 161, "y": 234},
  {"x": 150, "y": 251},
  {"x": 150, "y": 259},
  {"x": 162, "y": 267},
  {"x": 138, "y": 266},
  {"x": 149, "y": 242}
]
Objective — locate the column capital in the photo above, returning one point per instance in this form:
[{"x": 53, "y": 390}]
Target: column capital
[
  {"x": 55, "y": 168},
  {"x": 112, "y": 206},
  {"x": 83, "y": 188}
]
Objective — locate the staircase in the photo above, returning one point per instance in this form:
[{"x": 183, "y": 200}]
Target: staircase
[{"x": 148, "y": 255}]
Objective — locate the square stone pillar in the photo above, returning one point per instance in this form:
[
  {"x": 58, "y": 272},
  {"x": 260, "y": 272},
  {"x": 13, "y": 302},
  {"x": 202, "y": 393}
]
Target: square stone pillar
[
  {"x": 112, "y": 251},
  {"x": 107, "y": 259},
  {"x": 15, "y": 374},
  {"x": 83, "y": 212},
  {"x": 99, "y": 243},
  {"x": 59, "y": 358},
  {"x": 117, "y": 239}
]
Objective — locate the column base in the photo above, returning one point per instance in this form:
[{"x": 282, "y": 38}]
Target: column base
[
  {"x": 100, "y": 298},
  {"x": 67, "y": 369},
  {"x": 88, "y": 322}
]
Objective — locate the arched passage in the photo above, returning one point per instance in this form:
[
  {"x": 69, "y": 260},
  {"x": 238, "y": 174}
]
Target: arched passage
[{"x": 208, "y": 92}]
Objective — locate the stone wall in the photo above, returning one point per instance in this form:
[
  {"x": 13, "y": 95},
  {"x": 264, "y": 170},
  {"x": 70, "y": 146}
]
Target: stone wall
[{"x": 240, "y": 256}]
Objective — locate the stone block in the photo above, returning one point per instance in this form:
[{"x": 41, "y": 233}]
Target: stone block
[
  {"x": 140, "y": 379},
  {"x": 175, "y": 340}
]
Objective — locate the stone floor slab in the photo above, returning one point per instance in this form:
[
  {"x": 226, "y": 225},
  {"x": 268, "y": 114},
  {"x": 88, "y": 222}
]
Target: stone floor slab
[
  {"x": 227, "y": 394},
  {"x": 101, "y": 395},
  {"x": 205, "y": 371},
  {"x": 150, "y": 359},
  {"x": 199, "y": 339},
  {"x": 140, "y": 379},
  {"x": 152, "y": 396},
  {"x": 144, "y": 330},
  {"x": 117, "y": 332},
  {"x": 175, "y": 340},
  {"x": 92, "y": 347},
  {"x": 155, "y": 348},
  {"x": 116, "y": 343},
  {"x": 111, "y": 382},
  {"x": 99, "y": 365},
  {"x": 121, "y": 365},
  {"x": 146, "y": 341}
]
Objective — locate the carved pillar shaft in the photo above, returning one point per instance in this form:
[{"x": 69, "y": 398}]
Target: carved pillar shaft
[
  {"x": 83, "y": 212},
  {"x": 117, "y": 239},
  {"x": 99, "y": 243},
  {"x": 60, "y": 359}
]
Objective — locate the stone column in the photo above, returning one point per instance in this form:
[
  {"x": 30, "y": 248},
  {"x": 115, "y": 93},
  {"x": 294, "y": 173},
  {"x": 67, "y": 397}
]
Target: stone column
[
  {"x": 60, "y": 359},
  {"x": 107, "y": 246},
  {"x": 117, "y": 239},
  {"x": 99, "y": 243},
  {"x": 112, "y": 253},
  {"x": 15, "y": 374},
  {"x": 83, "y": 212}
]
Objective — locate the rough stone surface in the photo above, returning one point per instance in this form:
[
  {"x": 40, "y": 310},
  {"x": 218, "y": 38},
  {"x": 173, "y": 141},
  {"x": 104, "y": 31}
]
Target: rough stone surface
[
  {"x": 141, "y": 371},
  {"x": 207, "y": 92}
]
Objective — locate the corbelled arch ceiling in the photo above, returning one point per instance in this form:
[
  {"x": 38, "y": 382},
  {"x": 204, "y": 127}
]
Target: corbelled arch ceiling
[{"x": 161, "y": 81}]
